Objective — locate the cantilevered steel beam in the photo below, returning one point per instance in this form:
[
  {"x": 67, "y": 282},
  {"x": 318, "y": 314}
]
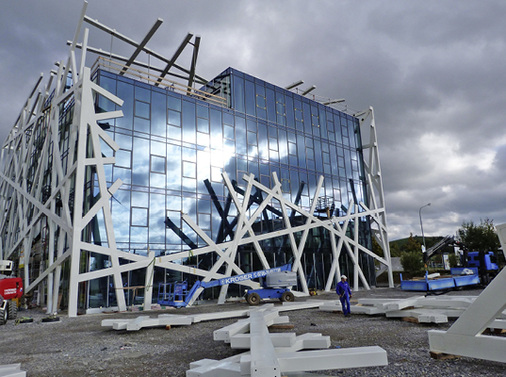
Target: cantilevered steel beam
[
  {"x": 174, "y": 58},
  {"x": 108, "y": 54},
  {"x": 125, "y": 39},
  {"x": 140, "y": 47},
  {"x": 196, "y": 45}
]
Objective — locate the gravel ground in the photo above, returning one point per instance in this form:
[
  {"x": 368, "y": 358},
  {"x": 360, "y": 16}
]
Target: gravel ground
[{"x": 81, "y": 347}]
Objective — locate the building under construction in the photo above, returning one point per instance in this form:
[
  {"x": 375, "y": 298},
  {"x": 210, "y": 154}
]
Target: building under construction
[{"x": 122, "y": 173}]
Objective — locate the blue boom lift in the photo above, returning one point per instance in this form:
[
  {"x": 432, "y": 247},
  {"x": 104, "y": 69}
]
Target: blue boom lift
[{"x": 276, "y": 283}]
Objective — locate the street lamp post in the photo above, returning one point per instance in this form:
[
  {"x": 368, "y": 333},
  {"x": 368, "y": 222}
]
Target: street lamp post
[{"x": 424, "y": 250}]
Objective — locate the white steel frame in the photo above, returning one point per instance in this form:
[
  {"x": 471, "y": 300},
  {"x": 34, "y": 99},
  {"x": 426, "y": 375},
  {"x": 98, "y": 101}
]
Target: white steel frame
[
  {"x": 374, "y": 179},
  {"x": 92, "y": 147}
]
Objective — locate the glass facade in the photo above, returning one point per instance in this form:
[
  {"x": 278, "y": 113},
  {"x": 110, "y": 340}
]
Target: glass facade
[{"x": 171, "y": 143}]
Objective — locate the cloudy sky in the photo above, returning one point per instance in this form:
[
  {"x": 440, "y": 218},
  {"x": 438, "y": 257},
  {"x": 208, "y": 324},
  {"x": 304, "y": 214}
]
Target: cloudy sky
[{"x": 433, "y": 71}]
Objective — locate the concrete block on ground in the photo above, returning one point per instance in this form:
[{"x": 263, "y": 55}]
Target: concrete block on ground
[
  {"x": 11, "y": 370},
  {"x": 333, "y": 359},
  {"x": 220, "y": 315},
  {"x": 243, "y": 341},
  {"x": 213, "y": 368}
]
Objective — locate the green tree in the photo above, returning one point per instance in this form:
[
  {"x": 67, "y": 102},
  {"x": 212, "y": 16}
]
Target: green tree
[
  {"x": 412, "y": 262},
  {"x": 395, "y": 251},
  {"x": 412, "y": 245},
  {"x": 480, "y": 237}
]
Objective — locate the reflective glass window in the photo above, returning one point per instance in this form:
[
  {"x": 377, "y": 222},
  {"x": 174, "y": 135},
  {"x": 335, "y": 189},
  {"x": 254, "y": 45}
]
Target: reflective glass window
[
  {"x": 140, "y": 162},
  {"x": 158, "y": 114},
  {"x": 174, "y": 103},
  {"x": 139, "y": 216},
  {"x": 216, "y": 174},
  {"x": 203, "y": 111},
  {"x": 271, "y": 105},
  {"x": 158, "y": 164},
  {"x": 142, "y": 94},
  {"x": 141, "y": 124},
  {"x": 189, "y": 122},
  {"x": 156, "y": 218},
  {"x": 228, "y": 132},
  {"x": 174, "y": 118},
  {"x": 142, "y": 109},
  {"x": 250, "y": 97},
  {"x": 238, "y": 102},
  {"x": 123, "y": 158},
  {"x": 189, "y": 169},
  {"x": 139, "y": 235},
  {"x": 203, "y": 139},
  {"x": 126, "y": 93},
  {"x": 124, "y": 141},
  {"x": 202, "y": 125},
  {"x": 124, "y": 174},
  {"x": 174, "y": 132},
  {"x": 173, "y": 202}
]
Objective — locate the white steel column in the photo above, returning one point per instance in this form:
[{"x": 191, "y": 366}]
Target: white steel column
[{"x": 374, "y": 181}]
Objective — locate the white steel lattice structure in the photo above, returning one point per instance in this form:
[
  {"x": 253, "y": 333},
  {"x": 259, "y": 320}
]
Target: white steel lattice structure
[
  {"x": 375, "y": 192},
  {"x": 54, "y": 192}
]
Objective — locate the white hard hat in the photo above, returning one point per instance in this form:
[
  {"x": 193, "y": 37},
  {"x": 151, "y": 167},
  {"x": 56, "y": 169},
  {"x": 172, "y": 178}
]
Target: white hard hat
[{"x": 343, "y": 277}]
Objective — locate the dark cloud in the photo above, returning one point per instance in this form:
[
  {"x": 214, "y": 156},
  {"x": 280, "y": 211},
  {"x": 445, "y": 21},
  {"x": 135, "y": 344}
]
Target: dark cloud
[{"x": 432, "y": 70}]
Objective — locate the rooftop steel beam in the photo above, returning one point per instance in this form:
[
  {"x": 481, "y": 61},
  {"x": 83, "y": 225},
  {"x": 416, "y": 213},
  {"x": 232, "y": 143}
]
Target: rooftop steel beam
[
  {"x": 140, "y": 47},
  {"x": 125, "y": 39},
  {"x": 174, "y": 57},
  {"x": 194, "y": 62}
]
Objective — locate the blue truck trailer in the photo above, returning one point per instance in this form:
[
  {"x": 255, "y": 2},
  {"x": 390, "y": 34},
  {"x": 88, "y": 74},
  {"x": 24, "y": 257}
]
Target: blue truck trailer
[{"x": 459, "y": 276}]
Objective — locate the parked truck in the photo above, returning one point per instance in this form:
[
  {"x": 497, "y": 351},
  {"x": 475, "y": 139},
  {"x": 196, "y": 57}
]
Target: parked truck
[
  {"x": 485, "y": 262},
  {"x": 11, "y": 290}
]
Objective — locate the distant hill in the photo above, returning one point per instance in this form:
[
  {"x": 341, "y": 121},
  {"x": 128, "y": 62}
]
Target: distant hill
[{"x": 429, "y": 241}]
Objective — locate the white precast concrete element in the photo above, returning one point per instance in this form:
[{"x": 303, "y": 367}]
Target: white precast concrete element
[
  {"x": 424, "y": 309},
  {"x": 271, "y": 317},
  {"x": 11, "y": 370},
  {"x": 277, "y": 354},
  {"x": 54, "y": 191},
  {"x": 358, "y": 357},
  {"x": 243, "y": 341},
  {"x": 422, "y": 315},
  {"x": 263, "y": 357},
  {"x": 465, "y": 337}
]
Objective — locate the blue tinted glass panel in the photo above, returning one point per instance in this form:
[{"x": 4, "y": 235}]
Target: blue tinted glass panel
[
  {"x": 126, "y": 93},
  {"x": 250, "y": 97},
  {"x": 238, "y": 102},
  {"x": 159, "y": 115}
]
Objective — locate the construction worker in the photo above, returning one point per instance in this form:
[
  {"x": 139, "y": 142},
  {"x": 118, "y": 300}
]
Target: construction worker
[{"x": 344, "y": 291}]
